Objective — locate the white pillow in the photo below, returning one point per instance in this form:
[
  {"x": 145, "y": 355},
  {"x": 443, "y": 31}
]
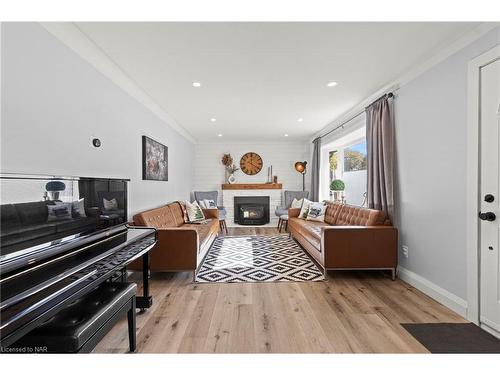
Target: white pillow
[
  {"x": 202, "y": 203},
  {"x": 78, "y": 209},
  {"x": 111, "y": 205},
  {"x": 194, "y": 212},
  {"x": 305, "y": 208},
  {"x": 316, "y": 212},
  {"x": 297, "y": 203},
  {"x": 209, "y": 203}
]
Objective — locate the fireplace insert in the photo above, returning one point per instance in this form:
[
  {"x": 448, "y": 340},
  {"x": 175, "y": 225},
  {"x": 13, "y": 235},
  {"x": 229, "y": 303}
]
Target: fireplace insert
[{"x": 251, "y": 210}]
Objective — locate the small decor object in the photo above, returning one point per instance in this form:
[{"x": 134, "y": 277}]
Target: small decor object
[
  {"x": 275, "y": 179},
  {"x": 154, "y": 160},
  {"x": 194, "y": 212},
  {"x": 300, "y": 167},
  {"x": 269, "y": 174},
  {"x": 338, "y": 187},
  {"x": 251, "y": 163},
  {"x": 54, "y": 188},
  {"x": 304, "y": 211},
  {"x": 316, "y": 212},
  {"x": 231, "y": 170},
  {"x": 227, "y": 160}
]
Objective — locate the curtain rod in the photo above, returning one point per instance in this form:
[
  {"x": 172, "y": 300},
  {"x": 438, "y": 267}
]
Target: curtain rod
[{"x": 389, "y": 95}]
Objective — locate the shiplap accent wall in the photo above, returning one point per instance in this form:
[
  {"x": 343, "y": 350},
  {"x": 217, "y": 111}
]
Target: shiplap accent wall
[{"x": 209, "y": 171}]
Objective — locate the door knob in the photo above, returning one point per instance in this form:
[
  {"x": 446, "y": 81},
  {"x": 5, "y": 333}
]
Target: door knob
[
  {"x": 488, "y": 216},
  {"x": 489, "y": 198}
]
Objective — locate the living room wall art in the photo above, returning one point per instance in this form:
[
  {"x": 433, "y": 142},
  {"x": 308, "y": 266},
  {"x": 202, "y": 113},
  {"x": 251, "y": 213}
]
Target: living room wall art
[{"x": 154, "y": 160}]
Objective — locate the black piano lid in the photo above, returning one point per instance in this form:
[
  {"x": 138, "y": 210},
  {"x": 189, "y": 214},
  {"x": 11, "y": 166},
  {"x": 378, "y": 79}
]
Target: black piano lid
[
  {"x": 35, "y": 275},
  {"x": 28, "y": 257}
]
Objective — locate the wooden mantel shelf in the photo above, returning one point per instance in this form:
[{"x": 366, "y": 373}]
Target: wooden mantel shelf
[{"x": 250, "y": 186}]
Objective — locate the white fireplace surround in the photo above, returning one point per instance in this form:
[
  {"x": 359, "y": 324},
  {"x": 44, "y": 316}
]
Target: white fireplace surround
[{"x": 275, "y": 196}]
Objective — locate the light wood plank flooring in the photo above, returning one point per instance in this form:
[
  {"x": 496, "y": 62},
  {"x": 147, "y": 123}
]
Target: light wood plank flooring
[{"x": 350, "y": 312}]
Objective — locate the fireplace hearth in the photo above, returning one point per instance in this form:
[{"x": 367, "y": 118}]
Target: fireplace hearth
[{"x": 251, "y": 210}]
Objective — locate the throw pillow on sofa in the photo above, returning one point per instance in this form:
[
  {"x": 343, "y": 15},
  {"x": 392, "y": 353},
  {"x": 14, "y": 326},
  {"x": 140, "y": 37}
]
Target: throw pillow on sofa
[
  {"x": 78, "y": 208},
  {"x": 316, "y": 212},
  {"x": 304, "y": 211},
  {"x": 194, "y": 212},
  {"x": 61, "y": 211},
  {"x": 208, "y": 203}
]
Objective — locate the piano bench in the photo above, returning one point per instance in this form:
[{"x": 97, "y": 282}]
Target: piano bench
[{"x": 80, "y": 326}]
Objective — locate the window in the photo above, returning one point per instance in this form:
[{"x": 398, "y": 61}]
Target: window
[
  {"x": 345, "y": 159},
  {"x": 355, "y": 157}
]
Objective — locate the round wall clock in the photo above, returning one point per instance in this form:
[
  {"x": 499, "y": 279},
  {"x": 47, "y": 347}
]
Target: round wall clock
[{"x": 251, "y": 163}]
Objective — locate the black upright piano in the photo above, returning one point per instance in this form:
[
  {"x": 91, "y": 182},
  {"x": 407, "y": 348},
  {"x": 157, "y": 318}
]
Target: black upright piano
[{"x": 60, "y": 238}]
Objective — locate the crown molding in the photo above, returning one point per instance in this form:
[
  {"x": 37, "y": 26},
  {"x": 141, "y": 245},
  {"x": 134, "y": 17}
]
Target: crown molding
[
  {"x": 73, "y": 37},
  {"x": 415, "y": 71}
]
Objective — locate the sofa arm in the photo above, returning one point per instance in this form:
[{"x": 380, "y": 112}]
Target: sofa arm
[
  {"x": 176, "y": 249},
  {"x": 360, "y": 246},
  {"x": 211, "y": 213},
  {"x": 293, "y": 212}
]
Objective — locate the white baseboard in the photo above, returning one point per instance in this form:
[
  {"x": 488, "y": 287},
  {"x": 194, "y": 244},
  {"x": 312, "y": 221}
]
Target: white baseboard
[{"x": 434, "y": 291}]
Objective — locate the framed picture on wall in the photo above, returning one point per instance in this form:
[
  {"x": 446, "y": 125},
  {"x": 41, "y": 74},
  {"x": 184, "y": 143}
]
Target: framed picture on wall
[{"x": 154, "y": 160}]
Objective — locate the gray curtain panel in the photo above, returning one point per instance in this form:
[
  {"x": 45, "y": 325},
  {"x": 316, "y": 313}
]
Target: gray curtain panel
[
  {"x": 315, "y": 168},
  {"x": 380, "y": 150}
]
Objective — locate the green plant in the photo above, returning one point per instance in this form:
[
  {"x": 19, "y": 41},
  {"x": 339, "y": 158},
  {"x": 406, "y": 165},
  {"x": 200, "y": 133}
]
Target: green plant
[{"x": 337, "y": 185}]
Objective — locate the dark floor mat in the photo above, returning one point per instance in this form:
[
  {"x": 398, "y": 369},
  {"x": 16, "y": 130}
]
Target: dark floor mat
[{"x": 453, "y": 337}]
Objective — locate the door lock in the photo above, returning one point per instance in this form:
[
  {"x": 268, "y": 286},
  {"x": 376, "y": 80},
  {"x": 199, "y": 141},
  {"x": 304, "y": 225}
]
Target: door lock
[
  {"x": 489, "y": 198},
  {"x": 487, "y": 216}
]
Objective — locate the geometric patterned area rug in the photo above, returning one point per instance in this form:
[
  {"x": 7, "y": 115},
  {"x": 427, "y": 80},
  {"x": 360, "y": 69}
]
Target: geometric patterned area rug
[{"x": 247, "y": 259}]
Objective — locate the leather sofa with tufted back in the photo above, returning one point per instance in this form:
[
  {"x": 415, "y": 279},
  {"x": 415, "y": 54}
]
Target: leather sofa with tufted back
[
  {"x": 351, "y": 237},
  {"x": 180, "y": 246}
]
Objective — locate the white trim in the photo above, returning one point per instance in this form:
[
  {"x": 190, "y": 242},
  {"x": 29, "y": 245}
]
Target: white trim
[
  {"x": 70, "y": 35},
  {"x": 434, "y": 291},
  {"x": 414, "y": 72},
  {"x": 472, "y": 198}
]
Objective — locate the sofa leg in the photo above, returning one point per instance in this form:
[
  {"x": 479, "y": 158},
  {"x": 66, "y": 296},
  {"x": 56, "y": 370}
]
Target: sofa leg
[{"x": 393, "y": 274}]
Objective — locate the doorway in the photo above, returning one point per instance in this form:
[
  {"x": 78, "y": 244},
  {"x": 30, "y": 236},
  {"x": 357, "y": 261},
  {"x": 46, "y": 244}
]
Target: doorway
[{"x": 484, "y": 203}]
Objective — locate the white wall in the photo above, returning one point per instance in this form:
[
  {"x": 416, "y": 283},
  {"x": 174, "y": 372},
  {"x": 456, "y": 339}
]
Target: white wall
[
  {"x": 430, "y": 115},
  {"x": 53, "y": 103},
  {"x": 209, "y": 171}
]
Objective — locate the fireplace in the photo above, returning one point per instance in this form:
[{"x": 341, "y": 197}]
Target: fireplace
[{"x": 251, "y": 210}]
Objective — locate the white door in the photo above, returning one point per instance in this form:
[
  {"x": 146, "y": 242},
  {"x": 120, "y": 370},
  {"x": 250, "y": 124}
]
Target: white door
[{"x": 489, "y": 106}]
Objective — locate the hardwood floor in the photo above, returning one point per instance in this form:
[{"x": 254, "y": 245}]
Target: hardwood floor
[{"x": 350, "y": 312}]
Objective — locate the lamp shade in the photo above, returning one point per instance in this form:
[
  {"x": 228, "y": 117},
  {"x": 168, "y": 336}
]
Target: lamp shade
[
  {"x": 300, "y": 166},
  {"x": 55, "y": 186}
]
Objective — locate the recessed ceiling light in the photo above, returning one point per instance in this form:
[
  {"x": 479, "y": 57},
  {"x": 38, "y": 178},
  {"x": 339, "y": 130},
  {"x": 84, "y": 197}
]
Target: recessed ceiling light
[
  {"x": 286, "y": 135},
  {"x": 331, "y": 84},
  {"x": 196, "y": 84},
  {"x": 213, "y": 119},
  {"x": 219, "y": 135},
  {"x": 300, "y": 119}
]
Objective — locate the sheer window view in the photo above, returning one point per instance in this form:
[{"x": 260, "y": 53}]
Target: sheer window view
[{"x": 348, "y": 164}]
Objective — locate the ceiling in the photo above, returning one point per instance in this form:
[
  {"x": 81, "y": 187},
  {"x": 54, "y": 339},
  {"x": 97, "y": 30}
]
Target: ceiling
[{"x": 258, "y": 79}]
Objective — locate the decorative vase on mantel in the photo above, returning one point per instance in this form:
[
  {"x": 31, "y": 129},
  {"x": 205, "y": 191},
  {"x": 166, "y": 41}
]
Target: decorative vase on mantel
[{"x": 230, "y": 171}]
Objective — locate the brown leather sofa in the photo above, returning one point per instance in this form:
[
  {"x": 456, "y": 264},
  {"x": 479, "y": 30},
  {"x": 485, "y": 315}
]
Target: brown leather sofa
[
  {"x": 180, "y": 246},
  {"x": 350, "y": 238}
]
